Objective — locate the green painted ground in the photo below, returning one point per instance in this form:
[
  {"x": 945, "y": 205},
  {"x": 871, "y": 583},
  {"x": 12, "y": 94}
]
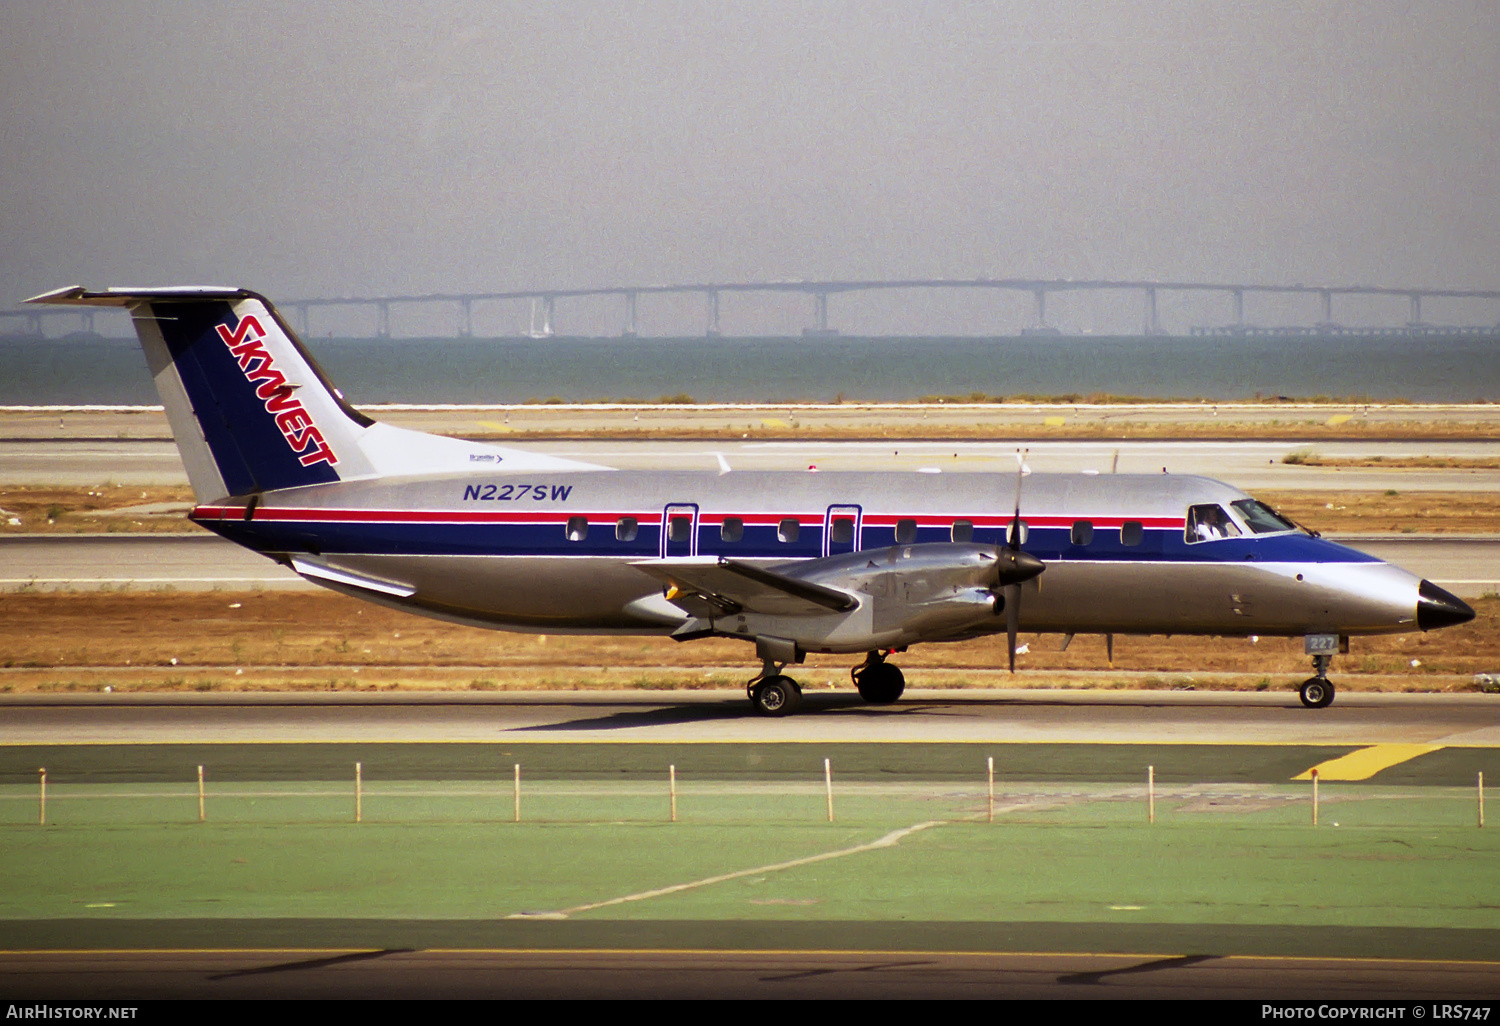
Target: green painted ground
[
  {"x": 1232, "y": 867},
  {"x": 1396, "y": 858}
]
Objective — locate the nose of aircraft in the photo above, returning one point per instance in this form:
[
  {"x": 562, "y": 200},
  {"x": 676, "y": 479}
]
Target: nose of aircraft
[{"x": 1438, "y": 608}]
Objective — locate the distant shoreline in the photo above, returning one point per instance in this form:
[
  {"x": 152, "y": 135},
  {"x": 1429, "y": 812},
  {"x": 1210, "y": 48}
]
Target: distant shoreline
[{"x": 844, "y": 370}]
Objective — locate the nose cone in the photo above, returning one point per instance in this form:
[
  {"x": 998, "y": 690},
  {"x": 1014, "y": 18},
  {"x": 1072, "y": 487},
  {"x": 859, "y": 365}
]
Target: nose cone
[
  {"x": 1016, "y": 566},
  {"x": 1438, "y": 608}
]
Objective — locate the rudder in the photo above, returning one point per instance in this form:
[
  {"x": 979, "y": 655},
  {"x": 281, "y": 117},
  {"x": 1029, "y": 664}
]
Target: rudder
[{"x": 249, "y": 407}]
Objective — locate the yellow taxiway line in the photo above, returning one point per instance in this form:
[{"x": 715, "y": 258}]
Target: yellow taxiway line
[{"x": 1365, "y": 763}]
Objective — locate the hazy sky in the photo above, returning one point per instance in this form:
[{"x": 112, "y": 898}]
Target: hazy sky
[{"x": 334, "y": 148}]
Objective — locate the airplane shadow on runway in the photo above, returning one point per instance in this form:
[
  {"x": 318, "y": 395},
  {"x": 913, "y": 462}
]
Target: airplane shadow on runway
[
  {"x": 736, "y": 709},
  {"x": 671, "y": 715},
  {"x": 847, "y": 704}
]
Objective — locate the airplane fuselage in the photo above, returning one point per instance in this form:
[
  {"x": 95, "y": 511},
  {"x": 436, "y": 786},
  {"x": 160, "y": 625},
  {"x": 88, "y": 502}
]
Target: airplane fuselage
[{"x": 557, "y": 551}]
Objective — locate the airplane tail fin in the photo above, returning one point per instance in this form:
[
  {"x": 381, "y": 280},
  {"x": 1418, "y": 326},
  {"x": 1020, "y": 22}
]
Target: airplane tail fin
[
  {"x": 251, "y": 410},
  {"x": 249, "y": 407}
]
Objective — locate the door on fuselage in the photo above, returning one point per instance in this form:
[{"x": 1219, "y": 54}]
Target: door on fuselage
[
  {"x": 841, "y": 529},
  {"x": 679, "y": 530}
]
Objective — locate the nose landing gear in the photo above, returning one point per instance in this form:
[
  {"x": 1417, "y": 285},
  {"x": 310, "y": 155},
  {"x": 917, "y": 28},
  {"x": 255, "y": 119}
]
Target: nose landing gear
[{"x": 1317, "y": 691}]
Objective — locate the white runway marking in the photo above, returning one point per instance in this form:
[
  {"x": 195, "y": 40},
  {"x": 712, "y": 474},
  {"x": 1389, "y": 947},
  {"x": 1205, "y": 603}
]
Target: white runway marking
[{"x": 890, "y": 840}]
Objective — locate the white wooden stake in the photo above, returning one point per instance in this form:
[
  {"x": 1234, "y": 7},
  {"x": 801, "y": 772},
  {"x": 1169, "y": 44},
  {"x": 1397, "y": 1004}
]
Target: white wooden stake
[
  {"x": 517, "y": 789},
  {"x": 828, "y": 786},
  {"x": 359, "y": 793},
  {"x": 992, "y": 788},
  {"x": 42, "y": 813},
  {"x": 1150, "y": 794},
  {"x": 672, "y": 784},
  {"x": 1315, "y": 797},
  {"x": 200, "y": 795},
  {"x": 1481, "y": 798}
]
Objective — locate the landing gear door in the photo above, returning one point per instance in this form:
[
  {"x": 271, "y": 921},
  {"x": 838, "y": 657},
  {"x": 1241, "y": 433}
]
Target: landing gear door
[
  {"x": 841, "y": 530},
  {"x": 679, "y": 530}
]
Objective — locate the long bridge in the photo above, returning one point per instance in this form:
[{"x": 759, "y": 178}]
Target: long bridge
[{"x": 544, "y": 301}]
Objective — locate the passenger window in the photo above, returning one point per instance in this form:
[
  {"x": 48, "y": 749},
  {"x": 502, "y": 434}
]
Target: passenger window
[
  {"x": 963, "y": 530},
  {"x": 1132, "y": 533},
  {"x": 626, "y": 529},
  {"x": 1083, "y": 532},
  {"x": 843, "y": 531},
  {"x": 787, "y": 531},
  {"x": 1209, "y": 522},
  {"x": 906, "y": 532},
  {"x": 578, "y": 529},
  {"x": 733, "y": 529},
  {"x": 679, "y": 529}
]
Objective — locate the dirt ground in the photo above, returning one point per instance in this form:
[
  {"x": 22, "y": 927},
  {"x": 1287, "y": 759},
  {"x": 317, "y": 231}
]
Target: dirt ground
[
  {"x": 116, "y": 508},
  {"x": 1309, "y": 458},
  {"x": 1412, "y": 512},
  {"x": 222, "y": 641},
  {"x": 106, "y": 508}
]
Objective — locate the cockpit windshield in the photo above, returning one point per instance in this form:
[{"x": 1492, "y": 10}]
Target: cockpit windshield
[
  {"x": 1208, "y": 522},
  {"x": 1260, "y": 518}
]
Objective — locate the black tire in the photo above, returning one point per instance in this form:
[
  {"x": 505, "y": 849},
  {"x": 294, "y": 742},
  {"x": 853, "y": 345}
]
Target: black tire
[
  {"x": 1316, "y": 693},
  {"x": 776, "y": 696},
  {"x": 880, "y": 683}
]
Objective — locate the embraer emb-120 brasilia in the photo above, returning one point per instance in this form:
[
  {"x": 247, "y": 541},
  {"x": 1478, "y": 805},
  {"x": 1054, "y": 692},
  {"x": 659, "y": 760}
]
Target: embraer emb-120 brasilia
[{"x": 792, "y": 562}]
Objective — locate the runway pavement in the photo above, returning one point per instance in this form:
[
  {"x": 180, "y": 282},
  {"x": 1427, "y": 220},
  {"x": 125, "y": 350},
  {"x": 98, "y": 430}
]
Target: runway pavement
[
  {"x": 123, "y": 977},
  {"x": 1468, "y": 566},
  {"x": 187, "y": 562},
  {"x": 1252, "y": 465},
  {"x": 922, "y": 717}
]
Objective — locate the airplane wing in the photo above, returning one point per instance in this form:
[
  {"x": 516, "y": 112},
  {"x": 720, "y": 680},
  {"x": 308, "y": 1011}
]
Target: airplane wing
[{"x": 711, "y": 586}]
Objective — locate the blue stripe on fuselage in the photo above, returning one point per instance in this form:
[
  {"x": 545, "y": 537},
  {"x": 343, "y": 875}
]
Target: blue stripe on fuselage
[{"x": 759, "y": 542}]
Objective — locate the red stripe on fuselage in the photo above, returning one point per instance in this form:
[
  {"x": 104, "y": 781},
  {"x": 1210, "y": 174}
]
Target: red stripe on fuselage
[{"x": 363, "y": 516}]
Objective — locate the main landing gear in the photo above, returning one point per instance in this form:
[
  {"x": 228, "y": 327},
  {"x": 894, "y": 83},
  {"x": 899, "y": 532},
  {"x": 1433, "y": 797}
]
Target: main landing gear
[
  {"x": 1317, "y": 691},
  {"x": 773, "y": 693},
  {"x": 879, "y": 682}
]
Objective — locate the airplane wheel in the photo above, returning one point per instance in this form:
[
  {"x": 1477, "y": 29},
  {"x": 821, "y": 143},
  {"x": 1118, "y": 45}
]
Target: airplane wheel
[
  {"x": 880, "y": 684},
  {"x": 776, "y": 696},
  {"x": 1317, "y": 692}
]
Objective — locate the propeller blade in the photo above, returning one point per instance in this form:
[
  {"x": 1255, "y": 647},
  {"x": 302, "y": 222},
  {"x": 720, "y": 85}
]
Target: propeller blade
[
  {"x": 1013, "y": 539},
  {"x": 1012, "y": 620},
  {"x": 1015, "y": 566}
]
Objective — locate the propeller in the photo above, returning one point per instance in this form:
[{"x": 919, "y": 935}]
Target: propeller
[{"x": 1015, "y": 567}]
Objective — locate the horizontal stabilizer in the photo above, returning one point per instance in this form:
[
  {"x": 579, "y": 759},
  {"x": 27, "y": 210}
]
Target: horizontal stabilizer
[
  {"x": 77, "y": 295},
  {"x": 729, "y": 585}
]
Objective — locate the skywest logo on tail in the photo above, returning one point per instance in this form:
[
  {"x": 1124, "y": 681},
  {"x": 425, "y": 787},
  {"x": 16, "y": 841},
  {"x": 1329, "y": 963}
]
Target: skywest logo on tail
[{"x": 295, "y": 423}]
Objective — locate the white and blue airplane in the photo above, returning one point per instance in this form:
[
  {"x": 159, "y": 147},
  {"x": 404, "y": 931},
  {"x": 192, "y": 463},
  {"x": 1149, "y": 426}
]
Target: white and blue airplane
[{"x": 792, "y": 562}]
